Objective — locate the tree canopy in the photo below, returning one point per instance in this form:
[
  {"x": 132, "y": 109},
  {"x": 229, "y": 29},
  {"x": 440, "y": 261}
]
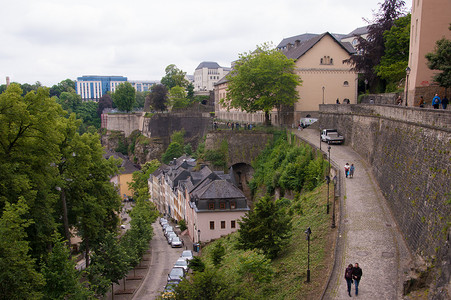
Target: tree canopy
[
  {"x": 124, "y": 97},
  {"x": 440, "y": 59},
  {"x": 262, "y": 80},
  {"x": 174, "y": 77},
  {"x": 157, "y": 98},
  {"x": 371, "y": 49}
]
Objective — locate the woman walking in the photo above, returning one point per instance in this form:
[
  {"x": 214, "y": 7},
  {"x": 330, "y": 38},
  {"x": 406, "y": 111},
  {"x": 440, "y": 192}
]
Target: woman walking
[{"x": 348, "y": 277}]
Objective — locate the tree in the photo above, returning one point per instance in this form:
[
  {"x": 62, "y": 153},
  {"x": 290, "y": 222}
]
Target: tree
[
  {"x": 369, "y": 51},
  {"x": 217, "y": 253},
  {"x": 267, "y": 228},
  {"x": 174, "y": 77},
  {"x": 66, "y": 85},
  {"x": 69, "y": 101},
  {"x": 62, "y": 280},
  {"x": 140, "y": 99},
  {"x": 104, "y": 102},
  {"x": 174, "y": 150},
  {"x": 190, "y": 92},
  {"x": 440, "y": 59},
  {"x": 262, "y": 80},
  {"x": 124, "y": 97},
  {"x": 157, "y": 98},
  {"x": 139, "y": 184},
  {"x": 392, "y": 67},
  {"x": 18, "y": 277},
  {"x": 177, "y": 97}
]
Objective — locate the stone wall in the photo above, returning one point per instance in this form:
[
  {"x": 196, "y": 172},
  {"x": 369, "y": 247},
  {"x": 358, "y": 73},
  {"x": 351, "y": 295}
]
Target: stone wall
[
  {"x": 126, "y": 123},
  {"x": 409, "y": 151}
]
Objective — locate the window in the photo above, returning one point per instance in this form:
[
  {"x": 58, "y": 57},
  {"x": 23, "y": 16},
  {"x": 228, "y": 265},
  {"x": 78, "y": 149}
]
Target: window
[
  {"x": 222, "y": 224},
  {"x": 212, "y": 225},
  {"x": 232, "y": 205},
  {"x": 222, "y": 205},
  {"x": 345, "y": 83},
  {"x": 321, "y": 61},
  {"x": 232, "y": 224},
  {"x": 211, "y": 205}
]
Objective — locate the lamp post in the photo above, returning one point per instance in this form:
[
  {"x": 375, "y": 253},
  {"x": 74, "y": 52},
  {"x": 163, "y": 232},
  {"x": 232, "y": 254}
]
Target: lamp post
[
  {"x": 328, "y": 181},
  {"x": 323, "y": 94},
  {"x": 198, "y": 240},
  {"x": 308, "y": 232},
  {"x": 335, "y": 179},
  {"x": 407, "y": 82},
  {"x": 366, "y": 82}
]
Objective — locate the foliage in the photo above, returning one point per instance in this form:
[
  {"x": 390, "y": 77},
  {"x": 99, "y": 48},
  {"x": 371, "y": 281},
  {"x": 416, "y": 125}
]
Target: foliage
[
  {"x": 255, "y": 267},
  {"x": 174, "y": 150},
  {"x": 370, "y": 50},
  {"x": 174, "y": 77},
  {"x": 177, "y": 137},
  {"x": 440, "y": 59},
  {"x": 18, "y": 278},
  {"x": 104, "y": 102},
  {"x": 190, "y": 91},
  {"x": 196, "y": 264},
  {"x": 202, "y": 285},
  {"x": 218, "y": 157},
  {"x": 62, "y": 280},
  {"x": 139, "y": 184},
  {"x": 66, "y": 85},
  {"x": 157, "y": 98},
  {"x": 266, "y": 228},
  {"x": 177, "y": 97},
  {"x": 217, "y": 253},
  {"x": 86, "y": 111},
  {"x": 263, "y": 79},
  {"x": 182, "y": 224},
  {"x": 124, "y": 97},
  {"x": 188, "y": 149},
  {"x": 392, "y": 66},
  {"x": 140, "y": 98}
]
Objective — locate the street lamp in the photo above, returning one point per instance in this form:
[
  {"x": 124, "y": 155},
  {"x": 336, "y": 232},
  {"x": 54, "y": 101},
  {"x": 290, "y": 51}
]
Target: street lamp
[
  {"x": 407, "y": 82},
  {"x": 328, "y": 181},
  {"x": 323, "y": 94},
  {"x": 308, "y": 232},
  {"x": 335, "y": 179}
]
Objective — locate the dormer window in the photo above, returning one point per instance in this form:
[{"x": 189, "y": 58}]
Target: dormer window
[
  {"x": 211, "y": 206},
  {"x": 232, "y": 205},
  {"x": 222, "y": 205}
]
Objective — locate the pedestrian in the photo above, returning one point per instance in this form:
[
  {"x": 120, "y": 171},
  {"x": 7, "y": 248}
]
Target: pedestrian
[
  {"x": 445, "y": 102},
  {"x": 338, "y": 101},
  {"x": 436, "y": 101},
  {"x": 356, "y": 275},
  {"x": 347, "y": 167},
  {"x": 299, "y": 126},
  {"x": 348, "y": 277},
  {"x": 399, "y": 101},
  {"x": 421, "y": 101},
  {"x": 351, "y": 170}
]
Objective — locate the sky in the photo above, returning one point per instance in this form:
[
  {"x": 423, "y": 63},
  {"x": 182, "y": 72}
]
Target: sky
[{"x": 51, "y": 40}]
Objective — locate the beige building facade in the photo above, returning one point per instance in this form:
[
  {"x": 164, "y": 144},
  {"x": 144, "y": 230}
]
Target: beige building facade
[{"x": 429, "y": 23}]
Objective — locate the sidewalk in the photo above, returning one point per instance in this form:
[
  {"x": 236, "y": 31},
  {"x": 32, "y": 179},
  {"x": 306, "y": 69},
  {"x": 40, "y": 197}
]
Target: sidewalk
[{"x": 368, "y": 234}]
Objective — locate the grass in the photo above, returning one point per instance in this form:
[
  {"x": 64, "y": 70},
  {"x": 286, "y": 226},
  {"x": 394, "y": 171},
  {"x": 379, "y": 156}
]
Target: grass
[{"x": 291, "y": 265}]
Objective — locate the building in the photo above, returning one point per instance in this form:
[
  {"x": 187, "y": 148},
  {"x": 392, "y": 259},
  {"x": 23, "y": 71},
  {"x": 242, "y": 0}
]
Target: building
[
  {"x": 429, "y": 23},
  {"x": 208, "y": 201},
  {"x": 125, "y": 176},
  {"x": 142, "y": 86},
  {"x": 207, "y": 74},
  {"x": 325, "y": 78},
  {"x": 94, "y": 87}
]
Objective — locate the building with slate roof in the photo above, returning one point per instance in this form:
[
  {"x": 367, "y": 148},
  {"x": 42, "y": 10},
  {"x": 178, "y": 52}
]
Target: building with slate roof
[
  {"x": 207, "y": 200},
  {"x": 207, "y": 74},
  {"x": 125, "y": 175}
]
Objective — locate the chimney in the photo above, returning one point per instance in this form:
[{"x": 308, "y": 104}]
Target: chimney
[
  {"x": 7, "y": 81},
  {"x": 289, "y": 46},
  {"x": 297, "y": 43}
]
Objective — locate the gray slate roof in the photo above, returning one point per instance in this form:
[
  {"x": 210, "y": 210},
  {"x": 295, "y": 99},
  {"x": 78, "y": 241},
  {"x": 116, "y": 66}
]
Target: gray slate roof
[
  {"x": 208, "y": 65},
  {"x": 218, "y": 189},
  {"x": 127, "y": 166}
]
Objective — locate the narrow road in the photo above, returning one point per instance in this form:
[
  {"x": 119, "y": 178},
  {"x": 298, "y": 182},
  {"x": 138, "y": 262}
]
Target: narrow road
[
  {"x": 368, "y": 233},
  {"x": 162, "y": 260}
]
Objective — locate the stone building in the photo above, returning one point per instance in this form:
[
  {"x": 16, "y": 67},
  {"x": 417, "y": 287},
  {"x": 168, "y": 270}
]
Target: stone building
[
  {"x": 208, "y": 201},
  {"x": 207, "y": 74}
]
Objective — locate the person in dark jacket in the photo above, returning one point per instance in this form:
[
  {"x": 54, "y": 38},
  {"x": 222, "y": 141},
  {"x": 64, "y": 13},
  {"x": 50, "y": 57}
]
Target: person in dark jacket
[
  {"x": 348, "y": 277},
  {"x": 356, "y": 275}
]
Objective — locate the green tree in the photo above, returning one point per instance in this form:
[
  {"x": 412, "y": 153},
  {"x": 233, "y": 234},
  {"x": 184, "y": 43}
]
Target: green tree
[
  {"x": 196, "y": 264},
  {"x": 157, "y": 98},
  {"x": 124, "y": 97},
  {"x": 190, "y": 92},
  {"x": 261, "y": 81},
  {"x": 70, "y": 101},
  {"x": 267, "y": 228},
  {"x": 178, "y": 137},
  {"x": 62, "y": 280},
  {"x": 202, "y": 285},
  {"x": 393, "y": 64},
  {"x": 139, "y": 184},
  {"x": 104, "y": 102},
  {"x": 66, "y": 85},
  {"x": 18, "y": 277},
  {"x": 255, "y": 268},
  {"x": 217, "y": 254},
  {"x": 177, "y": 97},
  {"x": 440, "y": 59},
  {"x": 174, "y": 150},
  {"x": 174, "y": 77},
  {"x": 140, "y": 98}
]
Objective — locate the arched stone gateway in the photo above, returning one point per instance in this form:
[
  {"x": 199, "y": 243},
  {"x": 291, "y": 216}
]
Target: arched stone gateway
[{"x": 242, "y": 174}]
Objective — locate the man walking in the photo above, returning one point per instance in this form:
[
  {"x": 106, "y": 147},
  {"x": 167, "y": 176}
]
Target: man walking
[
  {"x": 436, "y": 101},
  {"x": 356, "y": 275}
]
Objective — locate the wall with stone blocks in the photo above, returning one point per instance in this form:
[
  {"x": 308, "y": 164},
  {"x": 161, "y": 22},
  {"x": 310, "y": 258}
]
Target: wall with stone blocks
[{"x": 409, "y": 151}]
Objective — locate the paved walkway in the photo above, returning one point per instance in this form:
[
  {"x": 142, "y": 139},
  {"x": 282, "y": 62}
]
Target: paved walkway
[{"x": 368, "y": 234}]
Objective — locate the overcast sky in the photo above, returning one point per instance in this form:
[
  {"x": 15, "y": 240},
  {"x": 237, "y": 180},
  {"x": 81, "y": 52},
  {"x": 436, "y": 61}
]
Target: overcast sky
[{"x": 51, "y": 40}]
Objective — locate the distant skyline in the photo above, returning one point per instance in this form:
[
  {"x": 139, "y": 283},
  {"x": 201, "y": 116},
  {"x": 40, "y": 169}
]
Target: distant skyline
[{"x": 51, "y": 40}]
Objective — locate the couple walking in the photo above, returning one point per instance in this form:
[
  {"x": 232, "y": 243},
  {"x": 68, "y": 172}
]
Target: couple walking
[
  {"x": 353, "y": 275},
  {"x": 349, "y": 170}
]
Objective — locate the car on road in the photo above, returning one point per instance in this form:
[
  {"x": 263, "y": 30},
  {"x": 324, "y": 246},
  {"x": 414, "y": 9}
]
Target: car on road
[
  {"x": 182, "y": 263},
  {"x": 187, "y": 255},
  {"x": 166, "y": 225},
  {"x": 163, "y": 221},
  {"x": 171, "y": 236},
  {"x": 176, "y": 242},
  {"x": 166, "y": 233},
  {"x": 331, "y": 136},
  {"x": 176, "y": 274},
  {"x": 168, "y": 292}
]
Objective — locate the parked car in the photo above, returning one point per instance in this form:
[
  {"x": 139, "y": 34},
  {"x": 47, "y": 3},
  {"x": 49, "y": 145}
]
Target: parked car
[
  {"x": 165, "y": 225},
  {"x": 331, "y": 136},
  {"x": 167, "y": 232},
  {"x": 163, "y": 221},
  {"x": 171, "y": 236},
  {"x": 187, "y": 255},
  {"x": 176, "y": 274},
  {"x": 176, "y": 242},
  {"x": 182, "y": 263},
  {"x": 168, "y": 292},
  {"x": 168, "y": 228}
]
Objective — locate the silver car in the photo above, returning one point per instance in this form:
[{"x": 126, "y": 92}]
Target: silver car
[
  {"x": 181, "y": 263},
  {"x": 171, "y": 236},
  {"x": 187, "y": 255},
  {"x": 176, "y": 274},
  {"x": 176, "y": 242}
]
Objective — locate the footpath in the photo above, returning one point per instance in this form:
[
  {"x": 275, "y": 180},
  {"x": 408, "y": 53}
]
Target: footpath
[{"x": 368, "y": 234}]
